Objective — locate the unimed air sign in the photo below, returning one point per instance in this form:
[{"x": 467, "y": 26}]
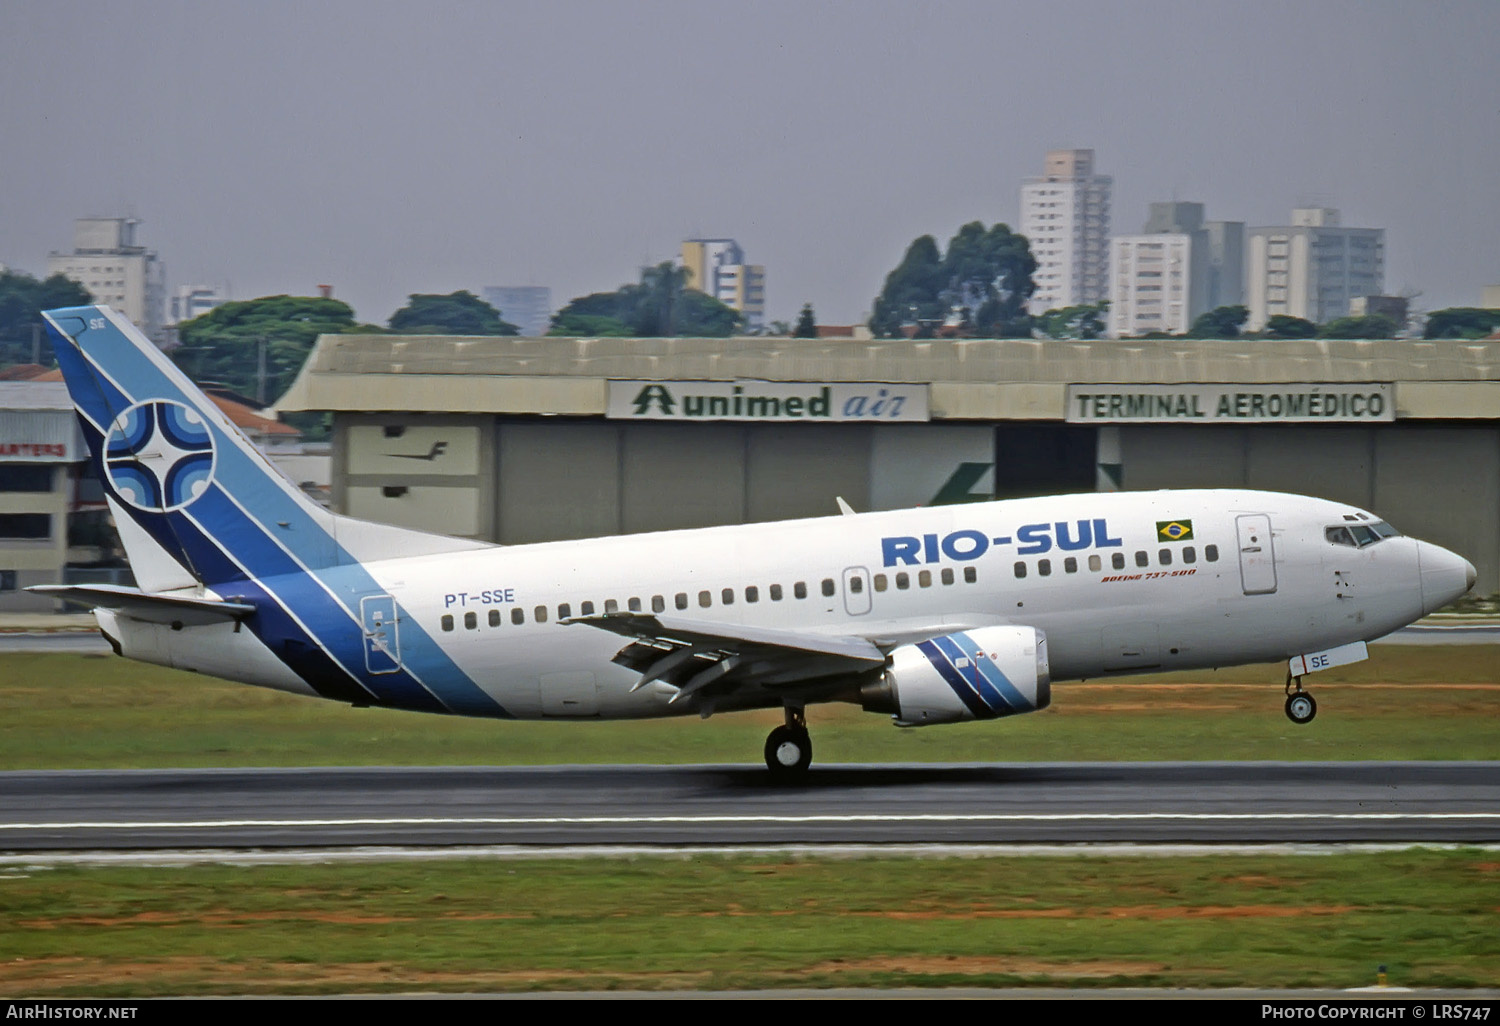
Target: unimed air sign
[{"x": 843, "y": 401}]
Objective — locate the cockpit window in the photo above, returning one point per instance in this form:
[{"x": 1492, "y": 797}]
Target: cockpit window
[{"x": 1357, "y": 536}]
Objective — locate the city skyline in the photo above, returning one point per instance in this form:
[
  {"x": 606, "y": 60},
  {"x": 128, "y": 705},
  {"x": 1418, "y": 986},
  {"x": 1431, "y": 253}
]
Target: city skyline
[{"x": 278, "y": 148}]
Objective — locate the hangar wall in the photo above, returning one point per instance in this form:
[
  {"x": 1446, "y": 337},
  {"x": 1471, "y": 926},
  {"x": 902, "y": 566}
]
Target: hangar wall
[{"x": 518, "y": 480}]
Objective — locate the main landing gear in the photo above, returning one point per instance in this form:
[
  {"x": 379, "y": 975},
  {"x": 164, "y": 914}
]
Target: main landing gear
[
  {"x": 789, "y": 748},
  {"x": 1300, "y": 707}
]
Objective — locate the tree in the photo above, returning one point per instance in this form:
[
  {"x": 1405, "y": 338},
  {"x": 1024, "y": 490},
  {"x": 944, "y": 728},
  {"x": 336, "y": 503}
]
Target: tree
[
  {"x": 702, "y": 316},
  {"x": 1462, "y": 322},
  {"x": 1368, "y": 326},
  {"x": 457, "y": 313},
  {"x": 659, "y": 307},
  {"x": 22, "y": 300},
  {"x": 985, "y": 277},
  {"x": 1220, "y": 322},
  {"x": 571, "y": 324},
  {"x": 1287, "y": 326},
  {"x": 807, "y": 323},
  {"x": 224, "y": 345},
  {"x": 1085, "y": 321}
]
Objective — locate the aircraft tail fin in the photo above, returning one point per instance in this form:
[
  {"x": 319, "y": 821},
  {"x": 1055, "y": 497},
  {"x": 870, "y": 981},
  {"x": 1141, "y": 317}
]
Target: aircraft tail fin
[{"x": 194, "y": 501}]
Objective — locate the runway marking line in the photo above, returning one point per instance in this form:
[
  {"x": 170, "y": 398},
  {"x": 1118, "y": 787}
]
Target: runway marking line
[{"x": 1059, "y": 817}]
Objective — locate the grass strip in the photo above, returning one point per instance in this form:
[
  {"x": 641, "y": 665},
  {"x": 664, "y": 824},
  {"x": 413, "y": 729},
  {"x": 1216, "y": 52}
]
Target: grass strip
[
  {"x": 94, "y": 712},
  {"x": 753, "y": 922}
]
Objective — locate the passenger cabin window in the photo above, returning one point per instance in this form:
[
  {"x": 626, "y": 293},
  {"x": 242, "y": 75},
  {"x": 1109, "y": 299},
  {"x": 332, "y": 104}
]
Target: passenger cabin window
[
  {"x": 728, "y": 596},
  {"x": 586, "y": 609},
  {"x": 752, "y": 594},
  {"x": 1211, "y": 553},
  {"x": 1020, "y": 569},
  {"x": 541, "y": 614},
  {"x": 705, "y": 599},
  {"x": 517, "y": 615},
  {"x": 1117, "y": 560},
  {"x": 471, "y": 621},
  {"x": 1141, "y": 559},
  {"x": 680, "y": 600},
  {"x": 1070, "y": 565},
  {"x": 658, "y": 604},
  {"x": 1189, "y": 554},
  {"x": 611, "y": 606},
  {"x": 924, "y": 579},
  {"x": 1095, "y": 564},
  {"x": 564, "y": 611},
  {"x": 635, "y": 605},
  {"x": 447, "y": 621},
  {"x": 800, "y": 589},
  {"x": 970, "y": 575},
  {"x": 1044, "y": 567},
  {"x": 775, "y": 593},
  {"x": 947, "y": 575},
  {"x": 828, "y": 586},
  {"x": 857, "y": 584},
  {"x": 494, "y": 618},
  {"x": 1164, "y": 557},
  {"x": 880, "y": 582}
]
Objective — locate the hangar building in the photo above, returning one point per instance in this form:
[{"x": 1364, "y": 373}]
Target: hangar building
[{"x": 523, "y": 439}]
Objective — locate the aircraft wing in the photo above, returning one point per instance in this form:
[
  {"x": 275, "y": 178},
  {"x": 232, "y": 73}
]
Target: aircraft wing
[
  {"x": 716, "y": 658},
  {"x": 152, "y": 608}
]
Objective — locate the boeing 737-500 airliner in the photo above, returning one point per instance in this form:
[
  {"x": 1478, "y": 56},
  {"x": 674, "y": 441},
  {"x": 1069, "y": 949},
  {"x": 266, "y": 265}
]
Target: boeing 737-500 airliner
[{"x": 930, "y": 615}]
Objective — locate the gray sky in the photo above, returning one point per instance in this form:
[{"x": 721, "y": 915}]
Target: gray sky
[{"x": 390, "y": 147}]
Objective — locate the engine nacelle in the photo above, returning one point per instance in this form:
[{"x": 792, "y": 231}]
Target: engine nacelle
[{"x": 967, "y": 675}]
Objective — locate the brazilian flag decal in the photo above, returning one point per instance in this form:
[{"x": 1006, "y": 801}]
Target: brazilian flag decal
[{"x": 1174, "y": 530}]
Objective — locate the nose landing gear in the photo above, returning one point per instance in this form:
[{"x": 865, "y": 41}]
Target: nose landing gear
[
  {"x": 789, "y": 747},
  {"x": 1300, "y": 706}
]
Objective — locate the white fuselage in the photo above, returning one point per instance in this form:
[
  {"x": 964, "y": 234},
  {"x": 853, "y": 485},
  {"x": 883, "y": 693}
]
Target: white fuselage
[{"x": 1224, "y": 593}]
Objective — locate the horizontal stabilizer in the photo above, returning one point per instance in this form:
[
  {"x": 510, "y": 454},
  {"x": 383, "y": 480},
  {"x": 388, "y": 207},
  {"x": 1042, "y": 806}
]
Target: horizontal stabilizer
[{"x": 180, "y": 610}]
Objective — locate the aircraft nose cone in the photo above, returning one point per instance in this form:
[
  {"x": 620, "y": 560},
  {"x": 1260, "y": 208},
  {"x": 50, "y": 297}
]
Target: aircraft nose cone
[{"x": 1445, "y": 575}]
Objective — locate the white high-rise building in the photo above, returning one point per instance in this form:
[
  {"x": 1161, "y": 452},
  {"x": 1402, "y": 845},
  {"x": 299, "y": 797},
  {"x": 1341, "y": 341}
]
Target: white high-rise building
[
  {"x": 1065, "y": 218},
  {"x": 1179, "y": 267},
  {"x": 189, "y": 301},
  {"x": 1150, "y": 283},
  {"x": 717, "y": 267},
  {"x": 1312, "y": 268},
  {"x": 106, "y": 261}
]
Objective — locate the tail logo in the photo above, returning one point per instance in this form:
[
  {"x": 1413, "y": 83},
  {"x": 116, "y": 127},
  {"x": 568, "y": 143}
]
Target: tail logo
[{"x": 159, "y": 456}]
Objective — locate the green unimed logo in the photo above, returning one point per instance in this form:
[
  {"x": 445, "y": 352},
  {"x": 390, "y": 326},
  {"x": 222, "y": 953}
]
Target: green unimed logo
[{"x": 657, "y": 394}]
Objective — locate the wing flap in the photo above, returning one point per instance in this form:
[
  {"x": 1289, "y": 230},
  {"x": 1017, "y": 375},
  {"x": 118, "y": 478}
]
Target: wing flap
[
  {"x": 711, "y": 659},
  {"x": 188, "y": 611}
]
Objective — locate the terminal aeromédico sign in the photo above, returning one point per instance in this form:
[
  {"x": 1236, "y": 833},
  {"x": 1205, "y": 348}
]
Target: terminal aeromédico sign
[
  {"x": 782, "y": 401},
  {"x": 1302, "y": 403}
]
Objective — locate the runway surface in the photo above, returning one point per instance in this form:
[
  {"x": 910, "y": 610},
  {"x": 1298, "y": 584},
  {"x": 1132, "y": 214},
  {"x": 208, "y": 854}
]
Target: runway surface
[{"x": 1068, "y": 803}]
